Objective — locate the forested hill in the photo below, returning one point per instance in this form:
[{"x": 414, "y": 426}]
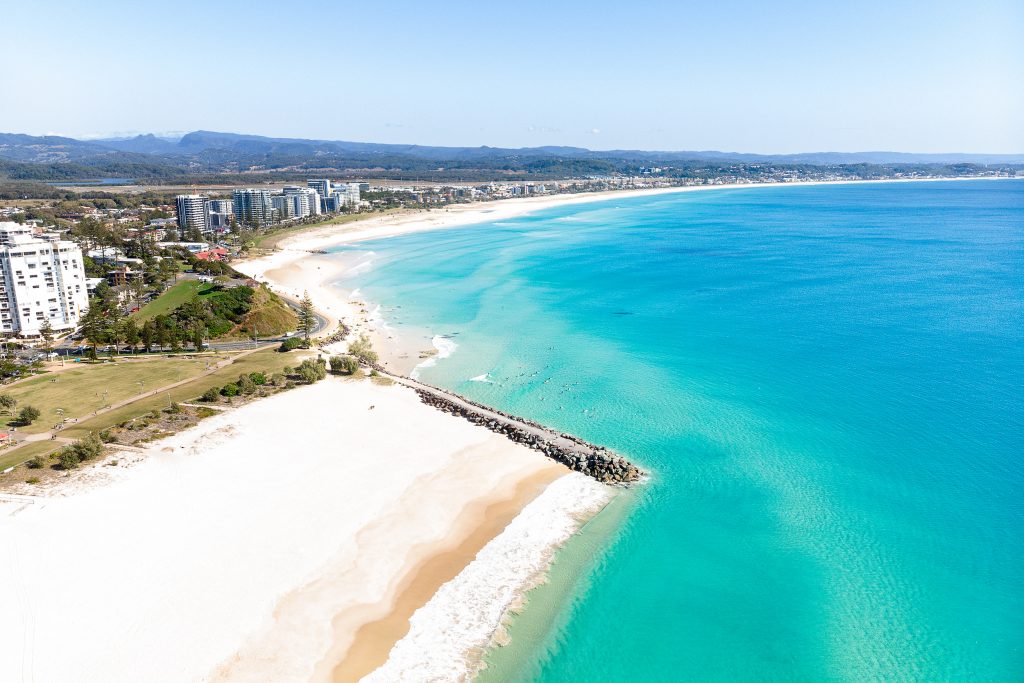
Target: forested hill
[{"x": 205, "y": 153}]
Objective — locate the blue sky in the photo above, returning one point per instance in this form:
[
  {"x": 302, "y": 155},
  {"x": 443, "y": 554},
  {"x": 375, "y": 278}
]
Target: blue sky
[{"x": 739, "y": 76}]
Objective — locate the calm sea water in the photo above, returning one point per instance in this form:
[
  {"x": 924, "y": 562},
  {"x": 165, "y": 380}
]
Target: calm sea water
[{"x": 826, "y": 383}]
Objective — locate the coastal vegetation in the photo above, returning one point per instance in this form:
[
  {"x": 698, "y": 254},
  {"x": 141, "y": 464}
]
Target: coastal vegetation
[
  {"x": 292, "y": 343},
  {"x": 191, "y": 311},
  {"x": 362, "y": 349},
  {"x": 344, "y": 365}
]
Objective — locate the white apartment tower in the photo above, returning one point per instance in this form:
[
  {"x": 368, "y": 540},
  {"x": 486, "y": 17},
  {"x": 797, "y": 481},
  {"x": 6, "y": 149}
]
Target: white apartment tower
[
  {"x": 308, "y": 202},
  {"x": 322, "y": 187},
  {"x": 192, "y": 213},
  {"x": 41, "y": 279}
]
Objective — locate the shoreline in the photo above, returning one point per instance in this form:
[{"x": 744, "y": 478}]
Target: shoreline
[
  {"x": 297, "y": 264},
  {"x": 238, "y": 550}
]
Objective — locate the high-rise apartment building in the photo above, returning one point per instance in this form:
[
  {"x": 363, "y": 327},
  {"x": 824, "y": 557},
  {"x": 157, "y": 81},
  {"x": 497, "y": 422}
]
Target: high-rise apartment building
[
  {"x": 323, "y": 188},
  {"x": 192, "y": 213},
  {"x": 309, "y": 200},
  {"x": 284, "y": 206},
  {"x": 41, "y": 280},
  {"x": 252, "y": 207}
]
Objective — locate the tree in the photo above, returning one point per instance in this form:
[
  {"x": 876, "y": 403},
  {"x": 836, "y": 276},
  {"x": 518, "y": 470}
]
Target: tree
[
  {"x": 198, "y": 332},
  {"x": 362, "y": 349},
  {"x": 115, "y": 327},
  {"x": 46, "y": 332},
  {"x": 211, "y": 395},
  {"x": 93, "y": 325},
  {"x": 131, "y": 333},
  {"x": 8, "y": 403},
  {"x": 307, "y": 318},
  {"x": 147, "y": 335},
  {"x": 344, "y": 365},
  {"x": 28, "y": 415}
]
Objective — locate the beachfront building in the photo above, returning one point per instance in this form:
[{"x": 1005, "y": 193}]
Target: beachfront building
[
  {"x": 218, "y": 214},
  {"x": 308, "y": 200},
  {"x": 323, "y": 188},
  {"x": 252, "y": 207},
  {"x": 351, "y": 193},
  {"x": 192, "y": 213},
  {"x": 284, "y": 206},
  {"x": 42, "y": 279}
]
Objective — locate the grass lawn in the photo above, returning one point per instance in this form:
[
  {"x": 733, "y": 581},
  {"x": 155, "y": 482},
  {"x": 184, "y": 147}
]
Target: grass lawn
[
  {"x": 267, "y": 360},
  {"x": 19, "y": 455},
  {"x": 79, "y": 390},
  {"x": 175, "y": 296}
]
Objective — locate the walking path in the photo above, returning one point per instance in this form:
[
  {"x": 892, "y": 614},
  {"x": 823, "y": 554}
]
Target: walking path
[{"x": 52, "y": 435}]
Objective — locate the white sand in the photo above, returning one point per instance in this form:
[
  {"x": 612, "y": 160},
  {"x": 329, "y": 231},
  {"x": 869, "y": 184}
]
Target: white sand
[{"x": 227, "y": 551}]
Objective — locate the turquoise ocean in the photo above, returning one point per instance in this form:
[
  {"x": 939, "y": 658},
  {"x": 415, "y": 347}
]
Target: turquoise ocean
[{"x": 826, "y": 384}]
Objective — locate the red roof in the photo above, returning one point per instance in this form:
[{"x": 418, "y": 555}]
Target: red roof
[{"x": 215, "y": 254}]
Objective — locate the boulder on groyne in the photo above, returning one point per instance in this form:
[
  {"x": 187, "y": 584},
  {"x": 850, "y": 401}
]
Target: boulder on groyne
[{"x": 580, "y": 456}]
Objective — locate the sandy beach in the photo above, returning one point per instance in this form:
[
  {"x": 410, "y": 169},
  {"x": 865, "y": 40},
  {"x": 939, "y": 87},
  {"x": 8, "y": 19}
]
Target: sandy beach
[
  {"x": 336, "y": 532},
  {"x": 290, "y": 539}
]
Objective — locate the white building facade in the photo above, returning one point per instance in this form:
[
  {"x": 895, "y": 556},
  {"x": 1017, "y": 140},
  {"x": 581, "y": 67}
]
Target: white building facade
[
  {"x": 323, "y": 188},
  {"x": 42, "y": 279},
  {"x": 192, "y": 213},
  {"x": 308, "y": 200}
]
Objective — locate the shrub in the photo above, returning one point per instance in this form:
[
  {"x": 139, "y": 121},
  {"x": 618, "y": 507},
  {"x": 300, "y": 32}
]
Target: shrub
[
  {"x": 32, "y": 480},
  {"x": 258, "y": 378},
  {"x": 344, "y": 365},
  {"x": 210, "y": 395},
  {"x": 67, "y": 459},
  {"x": 363, "y": 350},
  {"x": 278, "y": 379},
  {"x": 107, "y": 436},
  {"x": 293, "y": 343},
  {"x": 89, "y": 447},
  {"x": 36, "y": 463},
  {"x": 28, "y": 415},
  {"x": 311, "y": 371},
  {"x": 246, "y": 385},
  {"x": 173, "y": 409},
  {"x": 229, "y": 390}
]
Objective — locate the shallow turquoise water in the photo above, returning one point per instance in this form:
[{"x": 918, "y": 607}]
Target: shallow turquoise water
[{"x": 826, "y": 383}]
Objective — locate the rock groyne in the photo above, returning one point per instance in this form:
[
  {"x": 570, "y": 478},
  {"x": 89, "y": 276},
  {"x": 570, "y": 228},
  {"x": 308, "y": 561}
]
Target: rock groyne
[{"x": 576, "y": 454}]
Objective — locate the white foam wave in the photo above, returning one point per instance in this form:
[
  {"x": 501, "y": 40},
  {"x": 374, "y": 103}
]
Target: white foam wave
[
  {"x": 482, "y": 378},
  {"x": 444, "y": 346},
  {"x": 354, "y": 294},
  {"x": 448, "y": 635},
  {"x": 363, "y": 266}
]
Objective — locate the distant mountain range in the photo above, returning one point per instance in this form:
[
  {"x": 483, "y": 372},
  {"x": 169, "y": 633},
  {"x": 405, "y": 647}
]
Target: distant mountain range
[{"x": 206, "y": 152}]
